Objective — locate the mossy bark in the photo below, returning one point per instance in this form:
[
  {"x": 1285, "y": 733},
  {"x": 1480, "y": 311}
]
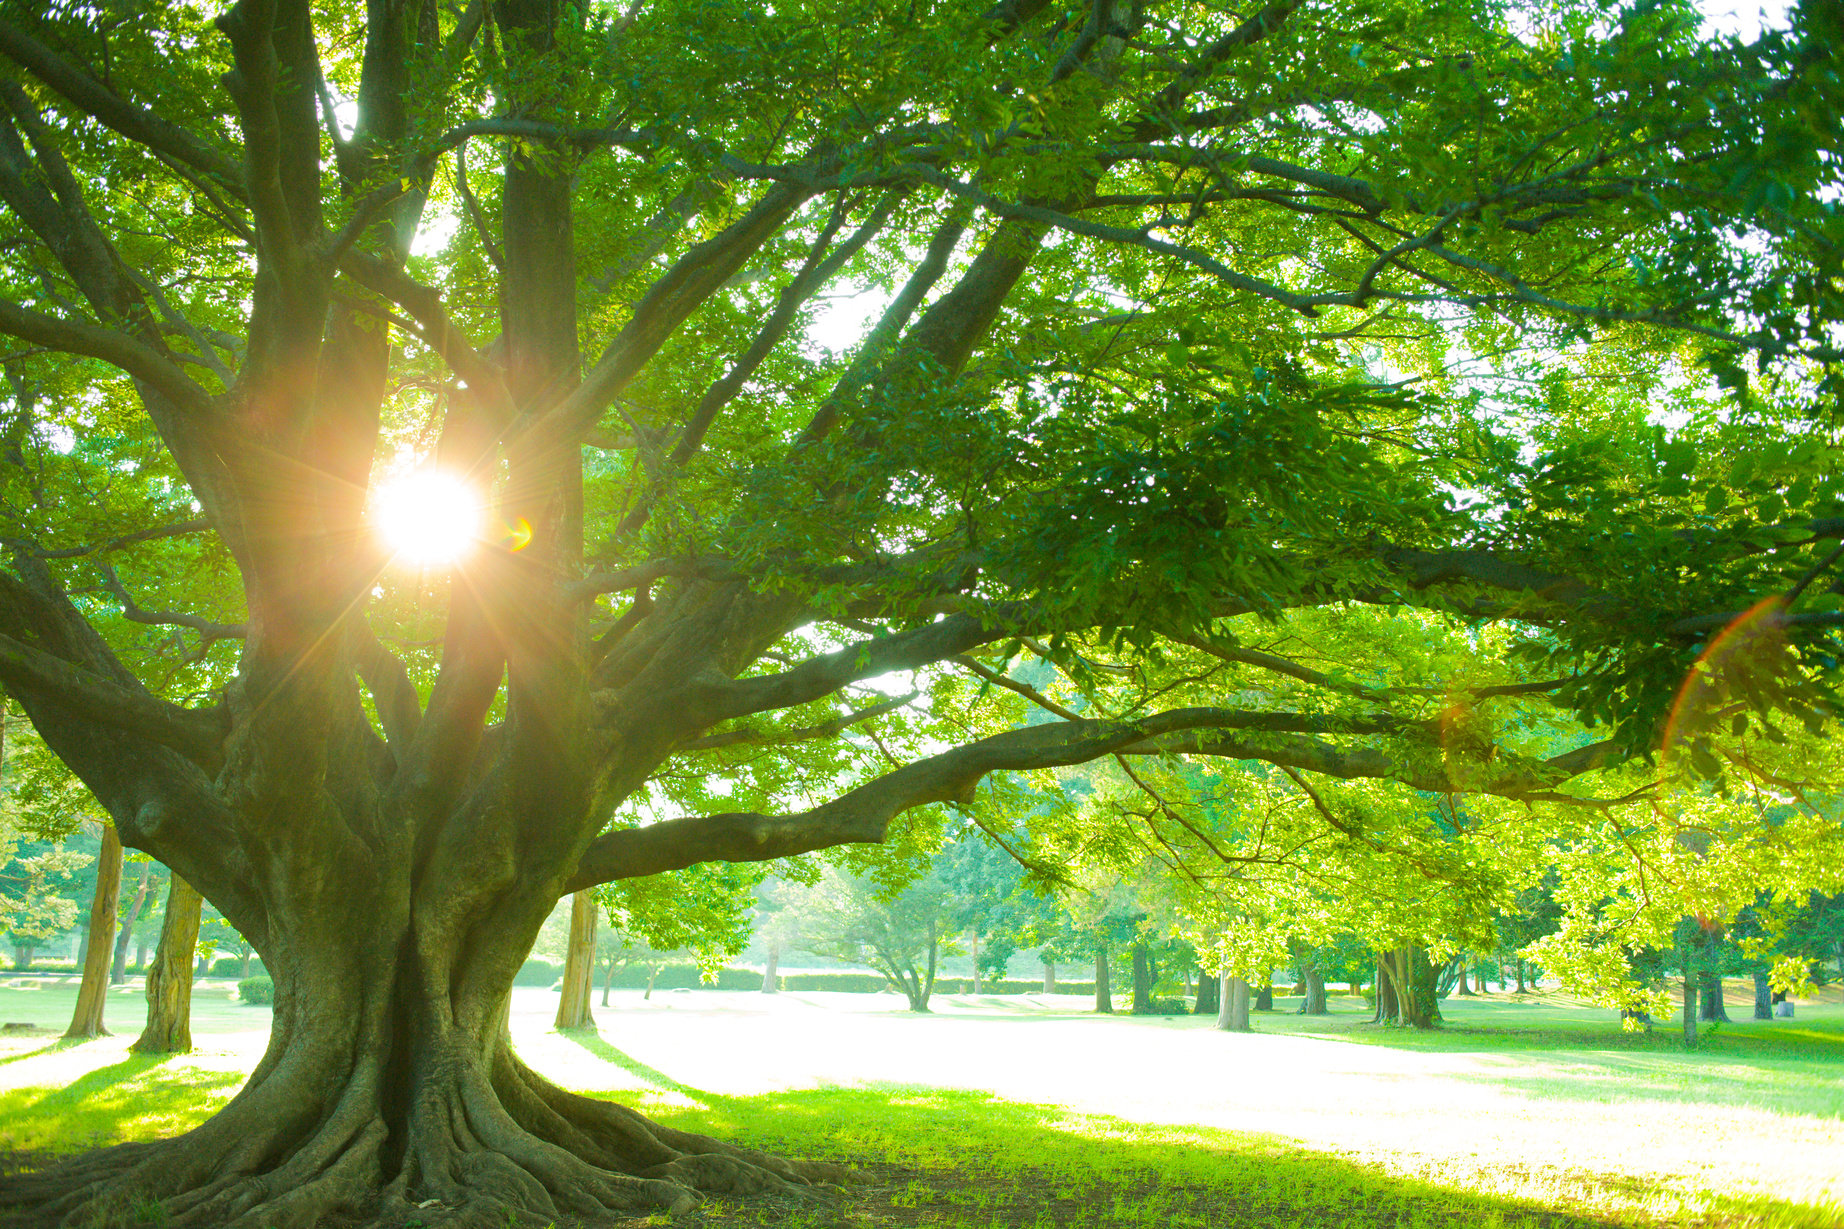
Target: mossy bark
[{"x": 169, "y": 979}]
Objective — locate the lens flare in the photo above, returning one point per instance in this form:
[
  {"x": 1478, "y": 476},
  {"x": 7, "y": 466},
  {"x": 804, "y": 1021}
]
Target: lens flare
[{"x": 428, "y": 517}]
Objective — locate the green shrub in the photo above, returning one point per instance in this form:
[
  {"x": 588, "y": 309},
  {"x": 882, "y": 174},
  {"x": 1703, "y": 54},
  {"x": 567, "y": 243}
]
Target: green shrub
[
  {"x": 232, "y": 966},
  {"x": 256, "y": 991},
  {"x": 537, "y": 972}
]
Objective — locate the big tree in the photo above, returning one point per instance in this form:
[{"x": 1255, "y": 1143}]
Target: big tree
[{"x": 1188, "y": 322}]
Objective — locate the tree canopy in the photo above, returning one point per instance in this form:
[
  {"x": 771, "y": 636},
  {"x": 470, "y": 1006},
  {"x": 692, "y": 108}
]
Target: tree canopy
[{"x": 1436, "y": 404}]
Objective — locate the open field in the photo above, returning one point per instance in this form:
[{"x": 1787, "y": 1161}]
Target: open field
[{"x": 1026, "y": 1111}]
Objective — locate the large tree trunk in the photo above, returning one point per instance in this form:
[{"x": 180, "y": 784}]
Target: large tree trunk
[
  {"x": 93, "y": 992},
  {"x": 1763, "y": 996},
  {"x": 1104, "y": 993},
  {"x": 1264, "y": 995},
  {"x": 22, "y": 954},
  {"x": 1209, "y": 994},
  {"x": 578, "y": 964},
  {"x": 388, "y": 1083},
  {"x": 1415, "y": 980},
  {"x": 1314, "y": 1002},
  {"x": 118, "y": 966},
  {"x": 1142, "y": 980},
  {"x": 1233, "y": 1005},
  {"x": 1460, "y": 987},
  {"x": 1520, "y": 977},
  {"x": 169, "y": 978}
]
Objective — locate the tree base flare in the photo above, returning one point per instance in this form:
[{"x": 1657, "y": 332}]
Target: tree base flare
[{"x": 515, "y": 1150}]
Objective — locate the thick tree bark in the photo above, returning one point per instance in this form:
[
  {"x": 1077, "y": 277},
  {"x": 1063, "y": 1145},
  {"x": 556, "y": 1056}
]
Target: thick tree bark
[
  {"x": 1209, "y": 994},
  {"x": 1142, "y": 980},
  {"x": 1763, "y": 996},
  {"x": 1414, "y": 977},
  {"x": 22, "y": 954},
  {"x": 1233, "y": 1005},
  {"x": 1313, "y": 1004},
  {"x": 1104, "y": 993},
  {"x": 169, "y": 978},
  {"x": 771, "y": 978},
  {"x": 118, "y": 966},
  {"x": 388, "y": 1094},
  {"x": 1264, "y": 995},
  {"x": 578, "y": 964},
  {"x": 93, "y": 992}
]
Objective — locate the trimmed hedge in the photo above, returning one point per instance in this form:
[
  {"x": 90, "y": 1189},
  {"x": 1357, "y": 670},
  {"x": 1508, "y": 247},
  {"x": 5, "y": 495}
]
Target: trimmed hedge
[
  {"x": 256, "y": 991},
  {"x": 537, "y": 972},
  {"x": 232, "y": 966}
]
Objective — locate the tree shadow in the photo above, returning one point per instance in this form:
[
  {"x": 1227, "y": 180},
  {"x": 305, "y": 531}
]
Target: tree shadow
[
  {"x": 129, "y": 1099},
  {"x": 966, "y": 1158},
  {"x": 591, "y": 1041}
]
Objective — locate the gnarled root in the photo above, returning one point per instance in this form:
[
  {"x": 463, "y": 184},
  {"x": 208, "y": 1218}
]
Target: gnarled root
[{"x": 468, "y": 1149}]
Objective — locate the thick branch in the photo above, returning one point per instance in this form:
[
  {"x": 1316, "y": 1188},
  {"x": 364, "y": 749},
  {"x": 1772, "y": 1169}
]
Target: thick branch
[{"x": 117, "y": 349}]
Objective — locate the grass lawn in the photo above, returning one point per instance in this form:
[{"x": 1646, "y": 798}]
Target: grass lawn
[{"x": 1028, "y": 1112}]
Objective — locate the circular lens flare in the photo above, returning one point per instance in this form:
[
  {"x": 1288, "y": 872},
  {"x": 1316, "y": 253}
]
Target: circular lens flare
[{"x": 428, "y": 517}]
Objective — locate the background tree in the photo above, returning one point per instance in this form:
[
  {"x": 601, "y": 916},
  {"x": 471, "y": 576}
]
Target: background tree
[{"x": 1161, "y": 383}]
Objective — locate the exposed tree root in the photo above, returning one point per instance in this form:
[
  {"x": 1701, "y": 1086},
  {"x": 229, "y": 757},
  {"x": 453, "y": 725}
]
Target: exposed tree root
[{"x": 471, "y": 1152}]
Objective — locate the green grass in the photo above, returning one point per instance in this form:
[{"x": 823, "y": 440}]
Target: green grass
[{"x": 963, "y": 1159}]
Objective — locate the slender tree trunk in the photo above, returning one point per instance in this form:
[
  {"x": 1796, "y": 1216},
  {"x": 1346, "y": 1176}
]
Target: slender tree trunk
[
  {"x": 140, "y": 953},
  {"x": 975, "y": 940},
  {"x": 93, "y": 993},
  {"x": 1209, "y": 994},
  {"x": 771, "y": 977},
  {"x": 118, "y": 966},
  {"x": 1314, "y": 1002},
  {"x": 608, "y": 979},
  {"x": 1479, "y": 981},
  {"x": 1049, "y": 977},
  {"x": 578, "y": 964},
  {"x": 1763, "y": 996},
  {"x": 1104, "y": 993},
  {"x": 928, "y": 987},
  {"x": 243, "y": 963},
  {"x": 1710, "y": 983},
  {"x": 1142, "y": 981},
  {"x": 169, "y": 978},
  {"x": 1520, "y": 977},
  {"x": 1233, "y": 1005},
  {"x": 1389, "y": 1002},
  {"x": 1690, "y": 996},
  {"x": 652, "y": 976}
]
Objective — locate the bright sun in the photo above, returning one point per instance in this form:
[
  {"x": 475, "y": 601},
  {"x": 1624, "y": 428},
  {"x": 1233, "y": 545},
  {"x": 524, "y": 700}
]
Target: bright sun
[{"x": 427, "y": 517}]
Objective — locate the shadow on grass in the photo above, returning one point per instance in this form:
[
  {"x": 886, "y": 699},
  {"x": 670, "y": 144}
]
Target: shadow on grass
[
  {"x": 132, "y": 1099},
  {"x": 592, "y": 1041},
  {"x": 969, "y": 1160}
]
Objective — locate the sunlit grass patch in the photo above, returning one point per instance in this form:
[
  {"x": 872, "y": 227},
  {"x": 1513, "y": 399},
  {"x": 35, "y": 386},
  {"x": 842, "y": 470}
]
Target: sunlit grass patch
[{"x": 140, "y": 1097}]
